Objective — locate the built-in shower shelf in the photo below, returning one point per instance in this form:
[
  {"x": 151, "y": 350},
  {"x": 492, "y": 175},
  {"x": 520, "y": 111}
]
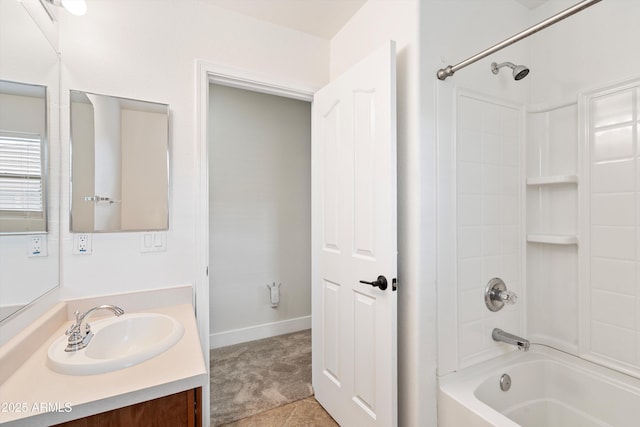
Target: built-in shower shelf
[
  {"x": 553, "y": 239},
  {"x": 552, "y": 179}
]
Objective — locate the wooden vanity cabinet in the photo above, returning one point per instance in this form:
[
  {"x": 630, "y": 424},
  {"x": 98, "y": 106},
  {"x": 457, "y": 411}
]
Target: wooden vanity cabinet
[{"x": 176, "y": 410}]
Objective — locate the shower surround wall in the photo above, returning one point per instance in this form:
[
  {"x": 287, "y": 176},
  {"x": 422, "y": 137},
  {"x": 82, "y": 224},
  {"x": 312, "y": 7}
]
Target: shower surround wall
[
  {"x": 611, "y": 230},
  {"x": 575, "y": 226},
  {"x": 582, "y": 288},
  {"x": 488, "y": 173},
  {"x": 480, "y": 181},
  {"x": 552, "y": 225}
]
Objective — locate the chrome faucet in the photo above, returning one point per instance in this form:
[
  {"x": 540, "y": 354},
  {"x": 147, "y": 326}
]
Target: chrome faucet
[
  {"x": 80, "y": 337},
  {"x": 506, "y": 337}
]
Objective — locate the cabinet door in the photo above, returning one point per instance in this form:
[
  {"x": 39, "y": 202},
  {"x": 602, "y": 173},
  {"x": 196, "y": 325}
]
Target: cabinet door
[{"x": 176, "y": 410}]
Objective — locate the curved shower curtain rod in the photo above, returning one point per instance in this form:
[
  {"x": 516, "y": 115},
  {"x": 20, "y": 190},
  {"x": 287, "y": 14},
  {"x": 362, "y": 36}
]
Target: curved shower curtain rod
[{"x": 448, "y": 71}]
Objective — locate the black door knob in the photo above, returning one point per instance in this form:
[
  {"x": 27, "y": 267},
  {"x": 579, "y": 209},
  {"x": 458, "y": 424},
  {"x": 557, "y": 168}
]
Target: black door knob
[{"x": 381, "y": 283}]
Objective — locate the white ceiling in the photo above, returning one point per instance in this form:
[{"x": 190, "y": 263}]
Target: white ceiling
[{"x": 321, "y": 18}]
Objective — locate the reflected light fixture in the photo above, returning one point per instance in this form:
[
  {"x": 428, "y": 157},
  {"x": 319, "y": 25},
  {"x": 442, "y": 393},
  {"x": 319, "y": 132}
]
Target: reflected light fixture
[{"x": 75, "y": 7}]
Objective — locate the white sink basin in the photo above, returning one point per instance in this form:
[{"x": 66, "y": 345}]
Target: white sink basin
[{"x": 118, "y": 342}]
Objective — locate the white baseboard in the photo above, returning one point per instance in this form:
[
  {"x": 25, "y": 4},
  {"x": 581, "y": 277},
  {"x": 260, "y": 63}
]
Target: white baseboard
[{"x": 236, "y": 336}]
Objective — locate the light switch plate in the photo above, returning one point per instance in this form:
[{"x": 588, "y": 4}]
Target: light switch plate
[{"x": 153, "y": 241}]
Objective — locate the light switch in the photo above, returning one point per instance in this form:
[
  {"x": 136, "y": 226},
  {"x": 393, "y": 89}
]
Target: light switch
[{"x": 153, "y": 241}]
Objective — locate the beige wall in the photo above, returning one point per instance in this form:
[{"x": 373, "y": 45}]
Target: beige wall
[
  {"x": 82, "y": 174},
  {"x": 144, "y": 203}
]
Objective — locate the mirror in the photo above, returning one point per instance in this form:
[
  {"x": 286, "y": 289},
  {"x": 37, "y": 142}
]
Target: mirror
[
  {"x": 29, "y": 109},
  {"x": 119, "y": 164}
]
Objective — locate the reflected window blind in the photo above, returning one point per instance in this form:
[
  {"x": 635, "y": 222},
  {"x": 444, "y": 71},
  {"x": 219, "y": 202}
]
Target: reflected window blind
[{"x": 20, "y": 172}]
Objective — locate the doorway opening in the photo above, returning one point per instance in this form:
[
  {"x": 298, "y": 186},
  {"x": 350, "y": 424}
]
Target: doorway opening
[{"x": 259, "y": 163}]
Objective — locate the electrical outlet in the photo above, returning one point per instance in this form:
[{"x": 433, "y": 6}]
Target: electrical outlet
[
  {"x": 82, "y": 244},
  {"x": 37, "y": 246}
]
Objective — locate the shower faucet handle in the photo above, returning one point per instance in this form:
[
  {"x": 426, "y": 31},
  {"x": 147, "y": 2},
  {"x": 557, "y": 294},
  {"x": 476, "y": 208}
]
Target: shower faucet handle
[{"x": 496, "y": 294}]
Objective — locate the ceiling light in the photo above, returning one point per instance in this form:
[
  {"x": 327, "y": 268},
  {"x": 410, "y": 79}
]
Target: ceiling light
[{"x": 75, "y": 7}]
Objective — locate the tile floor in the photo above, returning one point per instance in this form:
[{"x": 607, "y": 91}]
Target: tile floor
[{"x": 306, "y": 412}]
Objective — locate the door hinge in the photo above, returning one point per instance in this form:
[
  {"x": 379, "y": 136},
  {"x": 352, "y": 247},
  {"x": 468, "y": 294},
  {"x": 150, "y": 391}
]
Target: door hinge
[{"x": 394, "y": 284}]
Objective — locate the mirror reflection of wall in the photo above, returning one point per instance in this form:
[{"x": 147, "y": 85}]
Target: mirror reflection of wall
[
  {"x": 29, "y": 110},
  {"x": 119, "y": 163}
]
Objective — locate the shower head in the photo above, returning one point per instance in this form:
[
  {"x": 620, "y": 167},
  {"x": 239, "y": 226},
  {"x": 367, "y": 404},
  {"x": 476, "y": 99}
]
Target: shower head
[{"x": 519, "y": 71}]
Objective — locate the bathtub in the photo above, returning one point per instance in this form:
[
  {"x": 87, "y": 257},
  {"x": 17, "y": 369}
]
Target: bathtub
[{"x": 548, "y": 389}]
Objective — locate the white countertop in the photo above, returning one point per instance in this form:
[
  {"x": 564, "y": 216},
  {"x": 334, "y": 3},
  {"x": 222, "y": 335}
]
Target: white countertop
[{"x": 35, "y": 395}]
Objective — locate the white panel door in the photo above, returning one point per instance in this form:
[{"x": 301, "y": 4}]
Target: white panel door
[{"x": 354, "y": 240}]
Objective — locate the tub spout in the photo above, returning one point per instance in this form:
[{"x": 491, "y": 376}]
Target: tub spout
[{"x": 506, "y": 337}]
